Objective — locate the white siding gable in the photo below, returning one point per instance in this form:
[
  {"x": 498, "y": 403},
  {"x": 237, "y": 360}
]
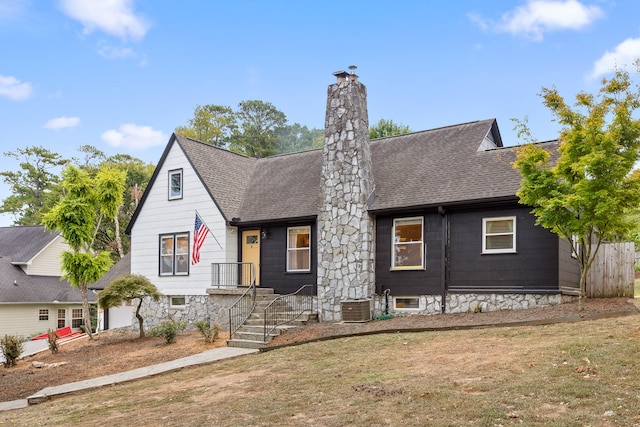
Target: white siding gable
[
  {"x": 48, "y": 261},
  {"x": 159, "y": 215}
]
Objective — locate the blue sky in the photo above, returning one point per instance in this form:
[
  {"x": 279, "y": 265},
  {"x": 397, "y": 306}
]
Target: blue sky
[{"x": 122, "y": 74}]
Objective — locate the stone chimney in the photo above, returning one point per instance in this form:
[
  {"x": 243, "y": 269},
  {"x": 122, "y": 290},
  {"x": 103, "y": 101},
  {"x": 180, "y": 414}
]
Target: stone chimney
[{"x": 345, "y": 229}]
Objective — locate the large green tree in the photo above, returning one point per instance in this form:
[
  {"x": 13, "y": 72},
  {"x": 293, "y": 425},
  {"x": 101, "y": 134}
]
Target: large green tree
[
  {"x": 386, "y": 128},
  {"x": 259, "y": 124},
  {"x": 295, "y": 137},
  {"x": 213, "y": 124},
  {"x": 77, "y": 216},
  {"x": 588, "y": 194},
  {"x": 34, "y": 187},
  {"x": 129, "y": 287}
]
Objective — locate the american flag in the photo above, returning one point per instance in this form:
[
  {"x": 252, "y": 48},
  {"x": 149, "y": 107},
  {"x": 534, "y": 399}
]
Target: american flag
[{"x": 200, "y": 232}]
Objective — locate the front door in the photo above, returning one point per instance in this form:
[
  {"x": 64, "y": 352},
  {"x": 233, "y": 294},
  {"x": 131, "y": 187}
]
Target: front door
[{"x": 251, "y": 253}]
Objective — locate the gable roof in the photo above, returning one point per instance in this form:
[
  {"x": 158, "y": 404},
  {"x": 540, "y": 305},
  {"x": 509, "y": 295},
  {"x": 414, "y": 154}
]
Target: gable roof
[
  {"x": 18, "y": 245},
  {"x": 224, "y": 174},
  {"x": 21, "y": 243},
  {"x": 453, "y": 165}
]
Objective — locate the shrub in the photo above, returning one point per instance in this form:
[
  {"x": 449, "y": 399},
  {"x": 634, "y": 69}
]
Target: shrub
[
  {"x": 52, "y": 337},
  {"x": 210, "y": 333},
  {"x": 636, "y": 266},
  {"x": 12, "y": 348},
  {"x": 168, "y": 330}
]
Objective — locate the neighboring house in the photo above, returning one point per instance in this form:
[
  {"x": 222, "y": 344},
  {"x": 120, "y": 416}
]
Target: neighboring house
[
  {"x": 120, "y": 316},
  {"x": 33, "y": 298},
  {"x": 426, "y": 222}
]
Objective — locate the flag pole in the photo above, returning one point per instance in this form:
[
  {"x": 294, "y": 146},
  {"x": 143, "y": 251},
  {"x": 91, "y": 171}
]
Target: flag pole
[{"x": 208, "y": 228}]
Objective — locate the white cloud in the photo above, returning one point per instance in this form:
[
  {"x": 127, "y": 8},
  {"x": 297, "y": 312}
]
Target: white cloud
[
  {"x": 622, "y": 57},
  {"x": 110, "y": 52},
  {"x": 536, "y": 17},
  {"x": 114, "y": 17},
  {"x": 14, "y": 89},
  {"x": 62, "y": 122},
  {"x": 134, "y": 136}
]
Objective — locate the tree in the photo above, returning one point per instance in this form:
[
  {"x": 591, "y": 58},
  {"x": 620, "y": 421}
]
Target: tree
[
  {"x": 590, "y": 194},
  {"x": 386, "y": 128},
  {"x": 293, "y": 138},
  {"x": 76, "y": 216},
  {"x": 35, "y": 187},
  {"x": 129, "y": 287},
  {"x": 210, "y": 123},
  {"x": 259, "y": 124}
]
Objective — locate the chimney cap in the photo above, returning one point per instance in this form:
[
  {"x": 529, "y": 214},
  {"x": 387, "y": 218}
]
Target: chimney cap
[{"x": 341, "y": 73}]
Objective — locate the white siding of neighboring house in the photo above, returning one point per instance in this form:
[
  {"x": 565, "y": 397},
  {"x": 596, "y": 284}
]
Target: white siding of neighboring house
[
  {"x": 121, "y": 316},
  {"x": 22, "y": 319},
  {"x": 160, "y": 215},
  {"x": 48, "y": 261}
]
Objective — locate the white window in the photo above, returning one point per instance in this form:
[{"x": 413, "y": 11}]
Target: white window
[
  {"x": 62, "y": 318},
  {"x": 499, "y": 235},
  {"x": 175, "y": 184},
  {"x": 174, "y": 254},
  {"x": 408, "y": 245},
  {"x": 575, "y": 243},
  {"x": 177, "y": 301},
  {"x": 298, "y": 249},
  {"x": 406, "y": 303},
  {"x": 76, "y": 318},
  {"x": 43, "y": 314}
]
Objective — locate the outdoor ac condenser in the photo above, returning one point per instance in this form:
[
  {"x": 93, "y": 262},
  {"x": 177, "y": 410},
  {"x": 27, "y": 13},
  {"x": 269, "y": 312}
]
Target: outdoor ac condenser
[{"x": 356, "y": 310}]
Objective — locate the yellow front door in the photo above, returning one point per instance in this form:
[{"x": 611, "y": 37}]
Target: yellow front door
[{"x": 251, "y": 252}]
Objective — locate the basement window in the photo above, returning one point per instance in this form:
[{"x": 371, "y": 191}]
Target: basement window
[
  {"x": 406, "y": 303},
  {"x": 499, "y": 235},
  {"x": 177, "y": 301},
  {"x": 408, "y": 244}
]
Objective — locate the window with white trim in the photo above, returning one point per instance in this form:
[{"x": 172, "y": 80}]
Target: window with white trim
[
  {"x": 575, "y": 243},
  {"x": 76, "y": 318},
  {"x": 43, "y": 314},
  {"x": 62, "y": 318},
  {"x": 177, "y": 301},
  {"x": 408, "y": 244},
  {"x": 406, "y": 303},
  {"x": 175, "y": 184},
  {"x": 174, "y": 254},
  {"x": 499, "y": 235},
  {"x": 299, "y": 249}
]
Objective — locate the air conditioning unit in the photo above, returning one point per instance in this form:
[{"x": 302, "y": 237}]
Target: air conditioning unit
[{"x": 356, "y": 310}]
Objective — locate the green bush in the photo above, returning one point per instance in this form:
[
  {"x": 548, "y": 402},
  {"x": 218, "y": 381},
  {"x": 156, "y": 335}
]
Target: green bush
[
  {"x": 210, "y": 333},
  {"x": 636, "y": 266},
  {"x": 12, "y": 347},
  {"x": 168, "y": 330}
]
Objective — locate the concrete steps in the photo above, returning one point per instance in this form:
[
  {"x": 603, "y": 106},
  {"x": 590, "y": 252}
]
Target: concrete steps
[{"x": 251, "y": 333}]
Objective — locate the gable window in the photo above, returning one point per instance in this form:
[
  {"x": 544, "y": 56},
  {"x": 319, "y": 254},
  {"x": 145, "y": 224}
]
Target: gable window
[
  {"x": 43, "y": 314},
  {"x": 499, "y": 235},
  {"x": 174, "y": 254},
  {"x": 408, "y": 244},
  {"x": 76, "y": 318},
  {"x": 298, "y": 249},
  {"x": 175, "y": 184}
]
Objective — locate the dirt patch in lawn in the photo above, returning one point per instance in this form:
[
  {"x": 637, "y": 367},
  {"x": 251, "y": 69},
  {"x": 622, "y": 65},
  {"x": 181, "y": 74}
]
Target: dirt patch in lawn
[{"x": 113, "y": 352}]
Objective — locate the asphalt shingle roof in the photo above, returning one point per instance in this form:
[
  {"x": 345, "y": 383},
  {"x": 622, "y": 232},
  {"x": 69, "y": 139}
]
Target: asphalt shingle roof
[{"x": 19, "y": 245}]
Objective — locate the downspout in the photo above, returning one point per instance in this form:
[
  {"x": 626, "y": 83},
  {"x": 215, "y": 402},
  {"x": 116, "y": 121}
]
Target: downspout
[{"x": 444, "y": 264}]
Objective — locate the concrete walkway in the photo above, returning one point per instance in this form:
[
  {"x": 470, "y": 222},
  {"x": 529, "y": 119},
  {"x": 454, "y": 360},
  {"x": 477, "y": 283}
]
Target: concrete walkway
[{"x": 196, "y": 359}]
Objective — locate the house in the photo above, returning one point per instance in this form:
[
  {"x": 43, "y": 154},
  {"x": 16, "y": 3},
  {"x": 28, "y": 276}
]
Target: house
[
  {"x": 33, "y": 298},
  {"x": 426, "y": 222}
]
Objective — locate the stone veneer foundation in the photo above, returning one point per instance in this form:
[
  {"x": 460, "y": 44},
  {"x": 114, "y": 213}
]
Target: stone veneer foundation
[{"x": 345, "y": 229}]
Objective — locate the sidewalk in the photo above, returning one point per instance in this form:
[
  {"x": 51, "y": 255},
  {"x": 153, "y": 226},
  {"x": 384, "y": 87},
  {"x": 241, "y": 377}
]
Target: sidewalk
[{"x": 196, "y": 359}]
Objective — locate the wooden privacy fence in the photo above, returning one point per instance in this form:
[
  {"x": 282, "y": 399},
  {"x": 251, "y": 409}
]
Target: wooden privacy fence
[{"x": 611, "y": 274}]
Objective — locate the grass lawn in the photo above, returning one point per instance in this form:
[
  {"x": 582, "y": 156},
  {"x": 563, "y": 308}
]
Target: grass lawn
[{"x": 571, "y": 374}]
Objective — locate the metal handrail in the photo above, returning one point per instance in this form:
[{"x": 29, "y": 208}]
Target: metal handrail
[
  {"x": 242, "y": 308},
  {"x": 294, "y": 305},
  {"x": 232, "y": 274}
]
